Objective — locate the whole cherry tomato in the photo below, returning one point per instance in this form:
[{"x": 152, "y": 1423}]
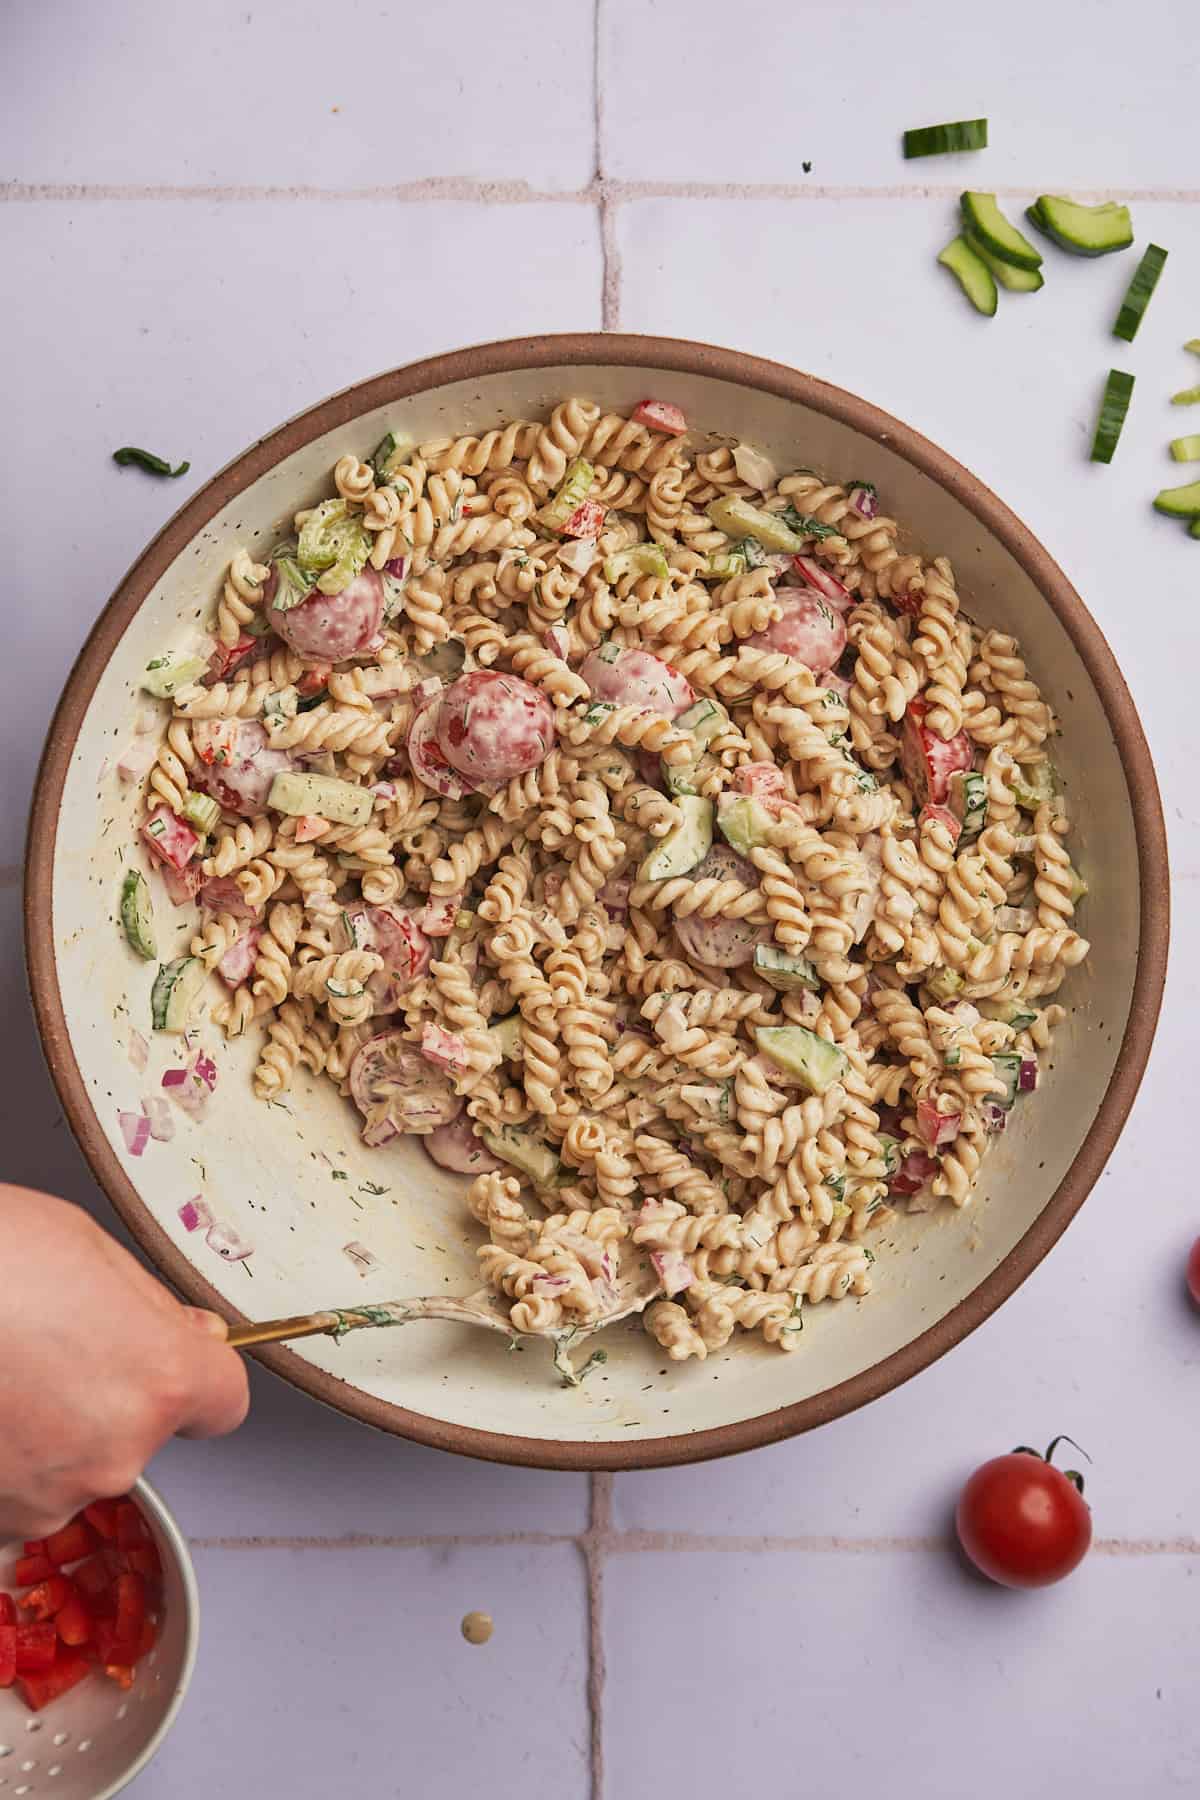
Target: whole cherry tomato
[{"x": 1023, "y": 1522}]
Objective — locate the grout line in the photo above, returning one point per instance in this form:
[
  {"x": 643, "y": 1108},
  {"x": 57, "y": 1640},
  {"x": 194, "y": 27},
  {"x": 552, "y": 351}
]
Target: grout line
[
  {"x": 520, "y": 193},
  {"x": 610, "y": 253},
  {"x": 593, "y": 1544},
  {"x": 600, "y": 1539}
]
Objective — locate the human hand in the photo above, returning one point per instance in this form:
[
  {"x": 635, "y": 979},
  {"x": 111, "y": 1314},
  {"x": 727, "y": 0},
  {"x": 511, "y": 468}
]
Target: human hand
[{"x": 99, "y": 1365}]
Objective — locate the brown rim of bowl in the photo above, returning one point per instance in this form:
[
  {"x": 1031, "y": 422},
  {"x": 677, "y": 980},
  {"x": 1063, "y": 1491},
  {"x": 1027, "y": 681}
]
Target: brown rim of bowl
[{"x": 680, "y": 357}]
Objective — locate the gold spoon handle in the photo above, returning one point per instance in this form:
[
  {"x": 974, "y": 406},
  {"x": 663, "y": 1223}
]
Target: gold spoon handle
[{"x": 273, "y": 1331}]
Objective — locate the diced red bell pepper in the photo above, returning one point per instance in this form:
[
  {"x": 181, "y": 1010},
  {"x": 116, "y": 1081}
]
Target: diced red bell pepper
[
  {"x": 94, "y": 1579},
  {"x": 660, "y": 415},
  {"x": 37, "y": 1646},
  {"x": 587, "y": 521},
  {"x": 48, "y": 1597},
  {"x": 309, "y": 827},
  {"x": 927, "y": 760},
  {"x": 73, "y": 1542},
  {"x": 937, "y": 1128},
  {"x": 182, "y": 885},
  {"x": 170, "y": 838},
  {"x": 38, "y": 1690},
  {"x": 73, "y": 1621},
  {"x": 131, "y": 1527},
  {"x": 227, "y": 656},
  {"x": 8, "y": 1611},
  {"x": 916, "y": 1169},
  {"x": 32, "y": 1569},
  {"x": 121, "y": 1673},
  {"x": 8, "y": 1655},
  {"x": 149, "y": 1638},
  {"x": 314, "y": 679},
  {"x": 101, "y": 1515},
  {"x": 145, "y": 1561},
  {"x": 34, "y": 1547},
  {"x": 131, "y": 1607},
  {"x": 941, "y": 815}
]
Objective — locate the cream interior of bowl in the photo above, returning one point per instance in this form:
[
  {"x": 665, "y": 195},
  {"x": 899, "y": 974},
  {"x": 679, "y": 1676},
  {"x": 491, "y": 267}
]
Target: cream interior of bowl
[{"x": 271, "y": 1172}]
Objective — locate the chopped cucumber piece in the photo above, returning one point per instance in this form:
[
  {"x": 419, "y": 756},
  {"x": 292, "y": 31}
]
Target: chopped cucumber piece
[
  {"x": 738, "y": 519},
  {"x": 944, "y": 983},
  {"x": 968, "y": 801},
  {"x": 334, "y": 545},
  {"x": 169, "y": 672},
  {"x": 744, "y": 821},
  {"x": 1007, "y": 1064},
  {"x": 987, "y": 223},
  {"x": 175, "y": 992},
  {"x": 1179, "y": 502},
  {"x": 202, "y": 811},
  {"x": 1033, "y": 784},
  {"x": 294, "y": 583},
  {"x": 754, "y": 553},
  {"x": 137, "y": 915},
  {"x": 889, "y": 1149},
  {"x": 941, "y": 140},
  {"x": 1113, "y": 407},
  {"x": 1017, "y": 1013},
  {"x": 574, "y": 489},
  {"x": 1017, "y": 281},
  {"x": 532, "y": 1155},
  {"x": 1186, "y": 449},
  {"x": 505, "y": 1035},
  {"x": 972, "y": 274},
  {"x": 1087, "y": 230},
  {"x": 1137, "y": 294},
  {"x": 704, "y": 719},
  {"x": 341, "y": 801},
  {"x": 638, "y": 559},
  {"x": 817, "y": 1062},
  {"x": 686, "y": 845},
  {"x": 390, "y": 453},
  {"x": 1186, "y": 397},
  {"x": 1194, "y": 528},
  {"x": 724, "y": 565},
  {"x": 783, "y": 971}
]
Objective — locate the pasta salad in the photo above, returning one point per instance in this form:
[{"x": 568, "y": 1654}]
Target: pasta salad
[{"x": 641, "y": 827}]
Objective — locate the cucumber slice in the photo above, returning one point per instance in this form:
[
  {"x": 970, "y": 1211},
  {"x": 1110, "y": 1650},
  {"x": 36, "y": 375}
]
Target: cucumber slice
[
  {"x": 1186, "y": 397},
  {"x": 1017, "y": 281},
  {"x": 505, "y": 1035},
  {"x": 1186, "y": 449},
  {"x": 685, "y": 846},
  {"x": 987, "y": 223},
  {"x": 1137, "y": 294},
  {"x": 1017, "y": 1013},
  {"x": 1114, "y": 405},
  {"x": 968, "y": 801},
  {"x": 390, "y": 452},
  {"x": 175, "y": 992},
  {"x": 169, "y": 672},
  {"x": 738, "y": 519},
  {"x": 341, "y": 801},
  {"x": 202, "y": 811},
  {"x": 526, "y": 1152},
  {"x": 889, "y": 1149},
  {"x": 944, "y": 983},
  {"x": 1179, "y": 502},
  {"x": 1087, "y": 230},
  {"x": 1007, "y": 1064},
  {"x": 782, "y": 971},
  {"x": 574, "y": 489},
  {"x": 724, "y": 566},
  {"x": 1194, "y": 528},
  {"x": 137, "y": 915},
  {"x": 704, "y": 719},
  {"x": 817, "y": 1062},
  {"x": 638, "y": 559},
  {"x": 744, "y": 821},
  {"x": 942, "y": 140},
  {"x": 972, "y": 274},
  {"x": 293, "y": 584},
  {"x": 1033, "y": 784},
  {"x": 333, "y": 545}
]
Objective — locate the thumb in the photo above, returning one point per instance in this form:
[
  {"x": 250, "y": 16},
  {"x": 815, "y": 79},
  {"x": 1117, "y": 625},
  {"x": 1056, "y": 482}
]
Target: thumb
[{"x": 219, "y": 1396}]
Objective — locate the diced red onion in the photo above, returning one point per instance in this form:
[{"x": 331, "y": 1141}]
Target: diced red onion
[
  {"x": 673, "y": 1270},
  {"x": 579, "y": 554},
  {"x": 194, "y": 1215},
  {"x": 1029, "y": 1075},
  {"x": 158, "y": 1114},
  {"x": 174, "y": 1078},
  {"x": 205, "y": 1069},
  {"x": 864, "y": 502},
  {"x": 995, "y": 1118},
  {"x": 614, "y": 896},
  {"x": 139, "y": 1051},
  {"x": 237, "y": 964},
  {"x": 227, "y": 1244},
  {"x": 557, "y": 640},
  {"x": 222, "y": 894},
  {"x": 135, "y": 1129},
  {"x": 379, "y": 1132},
  {"x": 395, "y": 568},
  {"x": 137, "y": 760},
  {"x": 384, "y": 790}
]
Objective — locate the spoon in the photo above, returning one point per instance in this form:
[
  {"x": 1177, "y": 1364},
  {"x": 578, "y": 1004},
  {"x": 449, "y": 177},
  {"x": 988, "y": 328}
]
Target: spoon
[{"x": 634, "y": 1291}]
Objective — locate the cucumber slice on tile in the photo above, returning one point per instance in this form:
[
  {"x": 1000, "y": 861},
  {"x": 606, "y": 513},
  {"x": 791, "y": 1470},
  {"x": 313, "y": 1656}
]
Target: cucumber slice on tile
[
  {"x": 972, "y": 274},
  {"x": 1017, "y": 281},
  {"x": 1179, "y": 502},
  {"x": 943, "y": 140},
  {"x": 1118, "y": 390},
  {"x": 985, "y": 221},
  {"x": 1086, "y": 230},
  {"x": 1137, "y": 294},
  {"x": 1186, "y": 449}
]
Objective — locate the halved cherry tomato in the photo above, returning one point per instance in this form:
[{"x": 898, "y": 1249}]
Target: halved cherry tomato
[
  {"x": 37, "y": 1690},
  {"x": 8, "y": 1655},
  {"x": 1023, "y": 1522},
  {"x": 32, "y": 1569},
  {"x": 37, "y": 1646},
  {"x": 8, "y": 1611},
  {"x": 73, "y": 1622},
  {"x": 101, "y": 1515},
  {"x": 48, "y": 1597}
]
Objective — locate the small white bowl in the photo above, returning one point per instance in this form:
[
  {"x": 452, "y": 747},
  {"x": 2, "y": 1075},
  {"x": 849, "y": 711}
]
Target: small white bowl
[{"x": 91, "y": 1743}]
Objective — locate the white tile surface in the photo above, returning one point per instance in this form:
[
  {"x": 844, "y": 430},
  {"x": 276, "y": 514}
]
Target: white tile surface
[
  {"x": 856, "y": 1675},
  {"x": 700, "y": 93},
  {"x": 353, "y": 1676},
  {"x": 210, "y": 324},
  {"x": 235, "y": 92}
]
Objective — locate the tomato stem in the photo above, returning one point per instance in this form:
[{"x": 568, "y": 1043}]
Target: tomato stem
[{"x": 1064, "y": 1439}]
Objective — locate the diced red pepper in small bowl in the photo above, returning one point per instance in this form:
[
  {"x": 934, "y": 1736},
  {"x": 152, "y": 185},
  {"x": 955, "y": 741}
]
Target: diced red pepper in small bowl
[
  {"x": 170, "y": 838},
  {"x": 75, "y": 1541},
  {"x": 660, "y": 415},
  {"x": 131, "y": 1527},
  {"x": 927, "y": 760},
  {"x": 38, "y": 1690},
  {"x": 131, "y": 1607},
  {"x": 94, "y": 1579},
  {"x": 73, "y": 1621},
  {"x": 8, "y": 1610},
  {"x": 145, "y": 1561},
  {"x": 37, "y": 1646},
  {"x": 101, "y": 1515},
  {"x": 32, "y": 1569},
  {"x": 8, "y": 1654},
  {"x": 48, "y": 1597}
]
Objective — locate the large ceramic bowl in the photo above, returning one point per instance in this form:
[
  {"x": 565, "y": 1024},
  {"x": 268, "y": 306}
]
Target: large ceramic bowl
[{"x": 270, "y": 1174}]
